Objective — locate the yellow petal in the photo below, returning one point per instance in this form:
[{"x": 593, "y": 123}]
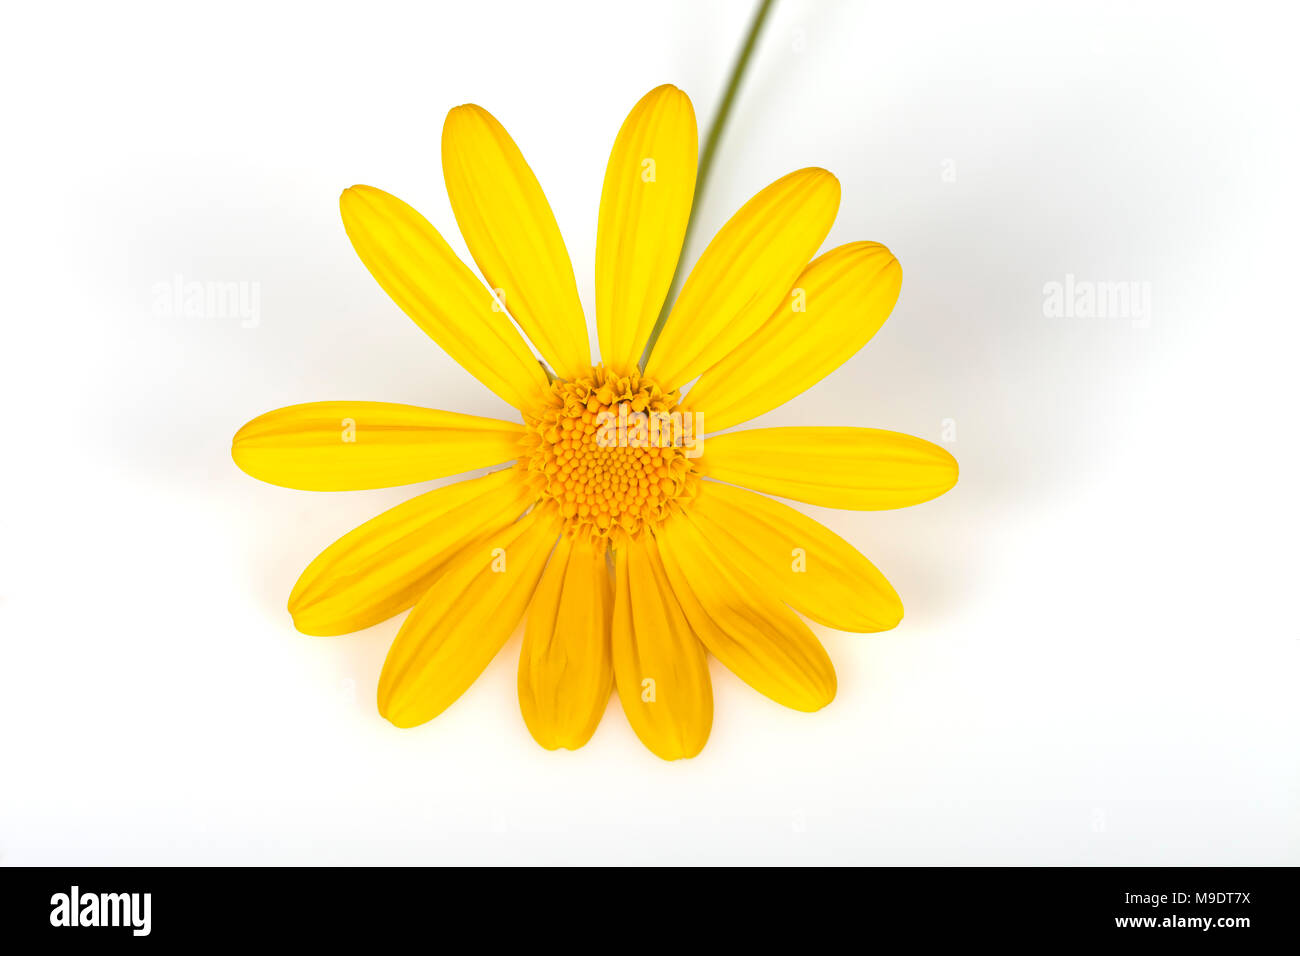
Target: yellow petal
[
  {"x": 349, "y": 446},
  {"x": 660, "y": 668},
  {"x": 512, "y": 235},
  {"x": 565, "y": 671},
  {"x": 753, "y": 634},
  {"x": 864, "y": 469},
  {"x": 837, "y": 304},
  {"x": 745, "y": 274},
  {"x": 429, "y": 283},
  {"x": 384, "y": 566},
  {"x": 799, "y": 560},
  {"x": 463, "y": 620},
  {"x": 644, "y": 207}
]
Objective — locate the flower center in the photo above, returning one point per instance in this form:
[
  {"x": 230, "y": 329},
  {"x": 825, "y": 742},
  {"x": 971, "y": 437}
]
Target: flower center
[{"x": 611, "y": 451}]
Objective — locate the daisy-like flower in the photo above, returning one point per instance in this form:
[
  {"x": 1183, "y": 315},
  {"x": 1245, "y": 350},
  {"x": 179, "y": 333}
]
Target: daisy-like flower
[{"x": 632, "y": 556}]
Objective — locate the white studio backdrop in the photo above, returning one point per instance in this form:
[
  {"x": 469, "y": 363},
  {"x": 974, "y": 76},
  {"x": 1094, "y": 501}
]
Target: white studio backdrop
[{"x": 1099, "y": 658}]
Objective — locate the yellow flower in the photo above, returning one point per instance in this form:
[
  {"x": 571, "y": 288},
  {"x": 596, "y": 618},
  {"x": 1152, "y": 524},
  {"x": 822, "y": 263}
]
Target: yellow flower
[{"x": 632, "y": 556}]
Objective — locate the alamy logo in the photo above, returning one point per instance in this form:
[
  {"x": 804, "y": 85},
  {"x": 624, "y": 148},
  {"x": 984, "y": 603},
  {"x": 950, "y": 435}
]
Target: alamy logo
[
  {"x": 101, "y": 909},
  {"x": 182, "y": 299},
  {"x": 683, "y": 430},
  {"x": 1085, "y": 299}
]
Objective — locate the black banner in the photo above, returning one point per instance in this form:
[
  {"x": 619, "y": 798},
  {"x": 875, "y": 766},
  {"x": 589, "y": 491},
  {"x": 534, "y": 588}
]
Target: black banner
[{"x": 1219, "y": 907}]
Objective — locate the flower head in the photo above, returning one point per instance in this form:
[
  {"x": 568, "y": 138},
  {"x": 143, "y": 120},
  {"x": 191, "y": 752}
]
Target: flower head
[{"x": 618, "y": 529}]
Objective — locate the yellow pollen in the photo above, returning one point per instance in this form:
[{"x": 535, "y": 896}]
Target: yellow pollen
[{"x": 608, "y": 451}]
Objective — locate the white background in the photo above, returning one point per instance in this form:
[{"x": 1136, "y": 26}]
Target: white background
[{"x": 1099, "y": 659}]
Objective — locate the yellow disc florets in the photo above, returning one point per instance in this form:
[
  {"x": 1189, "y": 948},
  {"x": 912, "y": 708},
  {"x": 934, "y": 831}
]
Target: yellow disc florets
[{"x": 612, "y": 452}]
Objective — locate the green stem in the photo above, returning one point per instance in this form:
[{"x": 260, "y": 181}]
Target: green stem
[{"x": 706, "y": 164}]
